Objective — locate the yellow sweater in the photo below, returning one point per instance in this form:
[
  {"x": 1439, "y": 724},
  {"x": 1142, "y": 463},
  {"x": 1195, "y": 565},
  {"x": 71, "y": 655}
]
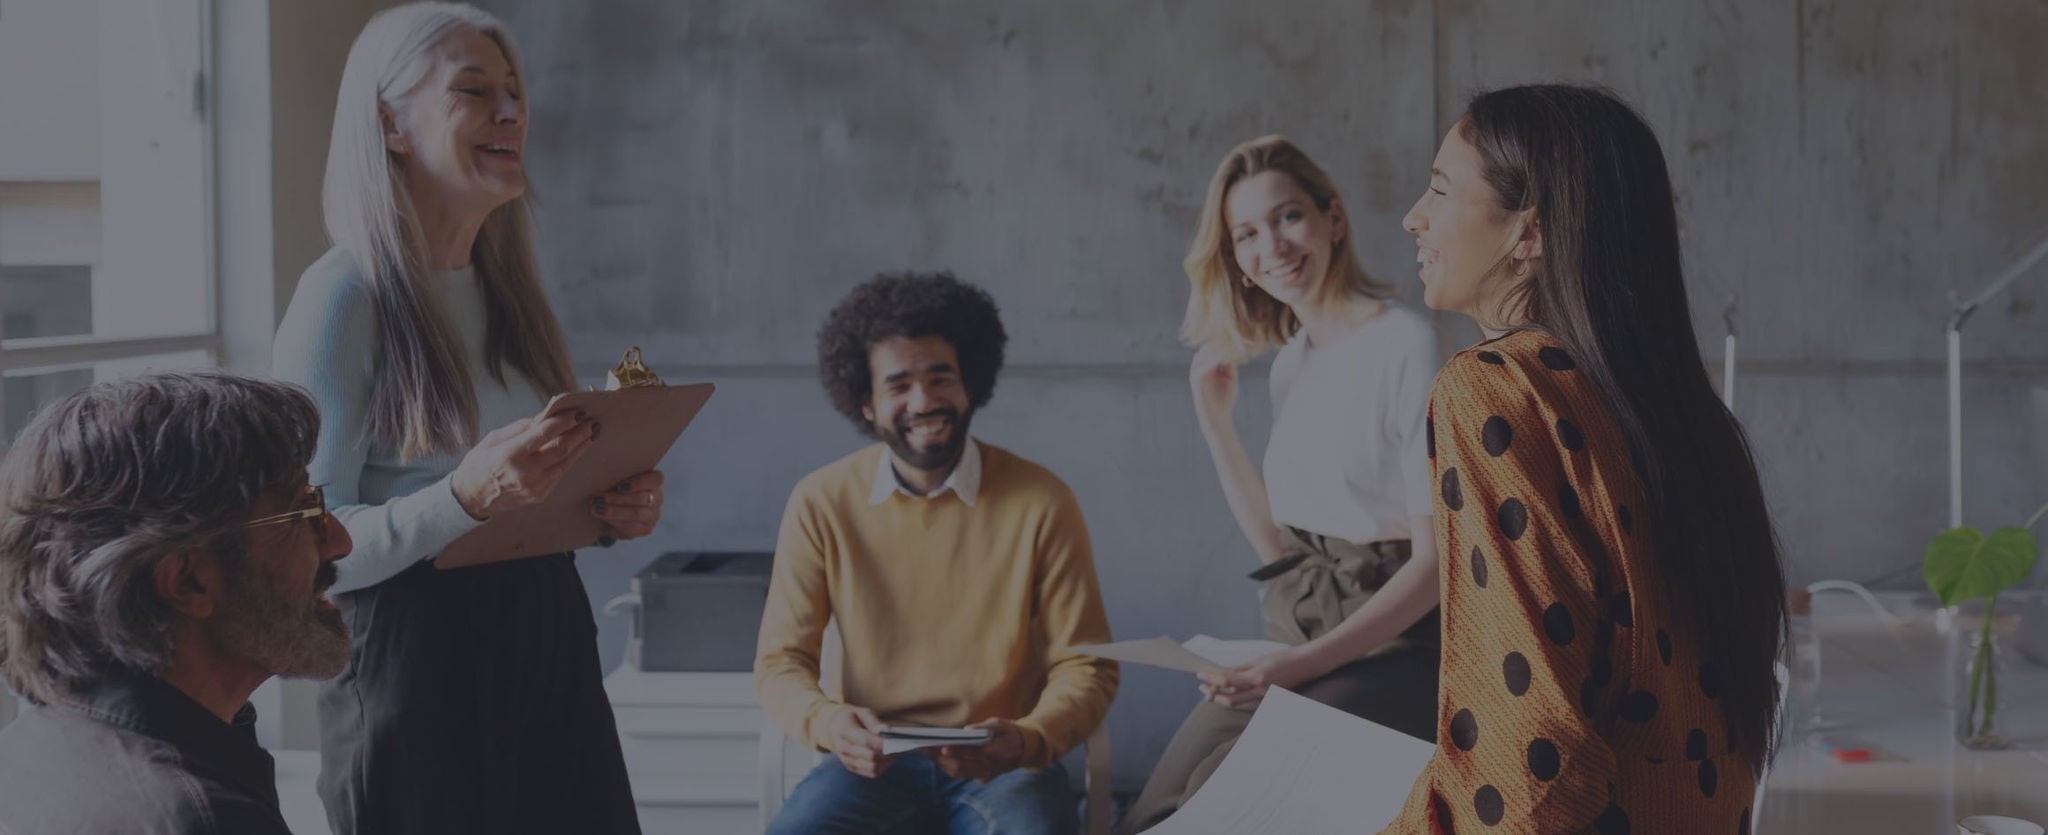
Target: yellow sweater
[{"x": 948, "y": 614}]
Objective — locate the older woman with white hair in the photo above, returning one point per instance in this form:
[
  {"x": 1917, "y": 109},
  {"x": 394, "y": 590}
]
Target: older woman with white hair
[{"x": 473, "y": 700}]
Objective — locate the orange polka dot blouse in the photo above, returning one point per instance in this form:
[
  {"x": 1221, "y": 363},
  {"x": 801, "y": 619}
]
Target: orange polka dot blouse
[{"x": 1570, "y": 701}]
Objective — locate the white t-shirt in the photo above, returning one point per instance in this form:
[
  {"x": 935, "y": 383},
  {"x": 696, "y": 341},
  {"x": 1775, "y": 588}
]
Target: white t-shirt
[{"x": 1349, "y": 456}]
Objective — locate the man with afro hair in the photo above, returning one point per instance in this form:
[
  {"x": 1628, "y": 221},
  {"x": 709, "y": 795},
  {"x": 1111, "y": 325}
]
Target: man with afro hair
[{"x": 956, "y": 573}]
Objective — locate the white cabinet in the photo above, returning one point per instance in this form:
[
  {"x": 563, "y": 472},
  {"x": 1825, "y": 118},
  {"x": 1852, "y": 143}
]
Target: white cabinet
[{"x": 692, "y": 745}]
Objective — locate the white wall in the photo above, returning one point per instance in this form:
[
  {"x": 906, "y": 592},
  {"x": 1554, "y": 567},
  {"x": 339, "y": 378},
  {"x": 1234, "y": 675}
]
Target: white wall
[{"x": 47, "y": 90}]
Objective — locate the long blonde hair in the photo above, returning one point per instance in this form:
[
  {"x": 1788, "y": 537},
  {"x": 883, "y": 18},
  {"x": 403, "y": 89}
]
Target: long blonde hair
[
  {"x": 1226, "y": 313},
  {"x": 423, "y": 402}
]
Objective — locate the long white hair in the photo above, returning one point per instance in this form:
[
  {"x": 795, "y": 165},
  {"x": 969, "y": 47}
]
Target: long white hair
[{"x": 423, "y": 402}]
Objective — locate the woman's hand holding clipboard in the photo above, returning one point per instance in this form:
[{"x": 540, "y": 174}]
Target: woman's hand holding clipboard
[{"x": 632, "y": 426}]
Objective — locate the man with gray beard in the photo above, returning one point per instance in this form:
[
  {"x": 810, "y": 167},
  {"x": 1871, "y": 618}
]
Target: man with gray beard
[{"x": 161, "y": 555}]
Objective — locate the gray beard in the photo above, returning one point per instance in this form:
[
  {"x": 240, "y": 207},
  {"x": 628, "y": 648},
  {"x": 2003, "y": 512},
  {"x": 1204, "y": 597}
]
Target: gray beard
[{"x": 287, "y": 636}]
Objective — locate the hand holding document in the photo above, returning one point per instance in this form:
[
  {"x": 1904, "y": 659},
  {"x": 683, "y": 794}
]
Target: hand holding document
[
  {"x": 897, "y": 739},
  {"x": 1198, "y": 654},
  {"x": 641, "y": 418},
  {"x": 1302, "y": 766}
]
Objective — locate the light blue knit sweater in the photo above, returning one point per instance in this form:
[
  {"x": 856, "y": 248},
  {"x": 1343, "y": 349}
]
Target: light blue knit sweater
[{"x": 397, "y": 513}]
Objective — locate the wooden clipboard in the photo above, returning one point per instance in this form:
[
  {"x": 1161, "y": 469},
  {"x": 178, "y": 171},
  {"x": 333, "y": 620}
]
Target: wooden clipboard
[{"x": 640, "y": 424}]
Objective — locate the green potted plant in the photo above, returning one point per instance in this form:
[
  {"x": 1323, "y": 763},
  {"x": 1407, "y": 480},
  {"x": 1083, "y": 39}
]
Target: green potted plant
[{"x": 1963, "y": 565}]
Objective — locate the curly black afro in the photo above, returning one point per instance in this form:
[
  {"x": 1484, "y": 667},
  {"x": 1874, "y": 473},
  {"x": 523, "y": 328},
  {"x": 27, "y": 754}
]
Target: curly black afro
[{"x": 910, "y": 305}]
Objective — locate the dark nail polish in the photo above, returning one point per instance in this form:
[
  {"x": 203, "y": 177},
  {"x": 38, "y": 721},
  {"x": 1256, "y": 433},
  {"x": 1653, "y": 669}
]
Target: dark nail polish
[
  {"x": 605, "y": 541},
  {"x": 597, "y": 504}
]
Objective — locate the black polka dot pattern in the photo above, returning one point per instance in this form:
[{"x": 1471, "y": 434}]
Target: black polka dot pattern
[
  {"x": 1516, "y": 671},
  {"x": 1429, "y": 436},
  {"x": 1584, "y": 616},
  {"x": 1568, "y": 501},
  {"x": 1557, "y": 624},
  {"x": 1544, "y": 760},
  {"x": 1622, "y": 609},
  {"x": 1496, "y": 435},
  {"x": 1611, "y": 822},
  {"x": 1514, "y": 519},
  {"x": 1489, "y": 804},
  {"x": 1569, "y": 435},
  {"x": 1464, "y": 730},
  {"x": 1639, "y": 706}
]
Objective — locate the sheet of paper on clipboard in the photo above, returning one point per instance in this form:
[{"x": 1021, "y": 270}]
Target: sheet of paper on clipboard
[{"x": 642, "y": 419}]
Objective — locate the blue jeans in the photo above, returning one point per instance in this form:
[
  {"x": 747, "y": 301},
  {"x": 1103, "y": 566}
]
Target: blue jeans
[{"x": 914, "y": 796}]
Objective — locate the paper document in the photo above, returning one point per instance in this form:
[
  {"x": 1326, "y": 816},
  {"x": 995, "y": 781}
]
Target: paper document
[
  {"x": 1305, "y": 767},
  {"x": 897, "y": 739},
  {"x": 1197, "y": 654},
  {"x": 1230, "y": 653}
]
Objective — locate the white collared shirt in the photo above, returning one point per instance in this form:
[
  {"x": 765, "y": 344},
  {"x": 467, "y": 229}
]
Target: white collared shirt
[{"x": 964, "y": 480}]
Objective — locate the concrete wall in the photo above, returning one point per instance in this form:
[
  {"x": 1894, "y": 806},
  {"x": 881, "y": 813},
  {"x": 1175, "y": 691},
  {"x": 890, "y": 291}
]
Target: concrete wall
[{"x": 714, "y": 175}]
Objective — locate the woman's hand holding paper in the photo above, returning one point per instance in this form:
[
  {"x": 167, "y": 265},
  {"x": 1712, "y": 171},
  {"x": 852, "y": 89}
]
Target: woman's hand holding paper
[
  {"x": 520, "y": 463},
  {"x": 1246, "y": 683}
]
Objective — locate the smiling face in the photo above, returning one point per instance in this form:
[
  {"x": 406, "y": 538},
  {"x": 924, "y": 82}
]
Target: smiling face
[
  {"x": 919, "y": 405},
  {"x": 461, "y": 133},
  {"x": 1280, "y": 239},
  {"x": 1465, "y": 242}
]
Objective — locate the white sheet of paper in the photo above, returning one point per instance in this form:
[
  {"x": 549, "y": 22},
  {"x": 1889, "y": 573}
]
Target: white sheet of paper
[
  {"x": 1156, "y": 652},
  {"x": 1224, "y": 653},
  {"x": 1193, "y": 656},
  {"x": 1305, "y": 767}
]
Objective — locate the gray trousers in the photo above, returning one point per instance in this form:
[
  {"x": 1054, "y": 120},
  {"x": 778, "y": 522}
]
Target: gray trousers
[{"x": 1317, "y": 584}]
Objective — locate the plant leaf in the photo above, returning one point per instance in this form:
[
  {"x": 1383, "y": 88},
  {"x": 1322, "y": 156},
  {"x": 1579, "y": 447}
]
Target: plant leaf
[{"x": 1962, "y": 564}]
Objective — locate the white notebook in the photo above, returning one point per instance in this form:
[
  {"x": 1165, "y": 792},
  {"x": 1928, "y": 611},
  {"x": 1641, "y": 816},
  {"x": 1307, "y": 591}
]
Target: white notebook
[{"x": 897, "y": 739}]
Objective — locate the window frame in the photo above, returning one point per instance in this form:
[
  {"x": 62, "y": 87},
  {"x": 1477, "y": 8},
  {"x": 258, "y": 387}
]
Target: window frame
[{"x": 35, "y": 355}]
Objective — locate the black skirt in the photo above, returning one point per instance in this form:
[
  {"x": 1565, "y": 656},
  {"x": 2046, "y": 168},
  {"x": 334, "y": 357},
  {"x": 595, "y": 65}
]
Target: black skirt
[{"x": 473, "y": 702}]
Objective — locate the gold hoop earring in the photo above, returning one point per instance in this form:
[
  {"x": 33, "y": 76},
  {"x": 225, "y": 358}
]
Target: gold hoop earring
[{"x": 1245, "y": 280}]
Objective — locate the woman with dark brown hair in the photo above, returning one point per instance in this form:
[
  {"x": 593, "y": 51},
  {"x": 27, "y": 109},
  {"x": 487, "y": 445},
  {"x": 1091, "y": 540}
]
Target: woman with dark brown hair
[{"x": 1612, "y": 593}]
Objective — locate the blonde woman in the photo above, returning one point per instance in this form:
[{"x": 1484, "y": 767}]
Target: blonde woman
[
  {"x": 1339, "y": 514},
  {"x": 473, "y": 698}
]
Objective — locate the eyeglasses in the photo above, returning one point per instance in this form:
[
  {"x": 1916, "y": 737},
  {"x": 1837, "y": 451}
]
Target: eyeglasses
[{"x": 314, "y": 512}]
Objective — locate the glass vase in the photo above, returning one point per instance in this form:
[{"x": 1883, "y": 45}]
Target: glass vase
[{"x": 1980, "y": 676}]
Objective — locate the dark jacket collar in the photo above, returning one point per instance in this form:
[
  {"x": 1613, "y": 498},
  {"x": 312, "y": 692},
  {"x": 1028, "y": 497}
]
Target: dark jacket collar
[{"x": 150, "y": 706}]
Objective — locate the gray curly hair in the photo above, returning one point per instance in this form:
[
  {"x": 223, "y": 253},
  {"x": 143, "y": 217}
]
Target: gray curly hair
[{"x": 102, "y": 486}]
